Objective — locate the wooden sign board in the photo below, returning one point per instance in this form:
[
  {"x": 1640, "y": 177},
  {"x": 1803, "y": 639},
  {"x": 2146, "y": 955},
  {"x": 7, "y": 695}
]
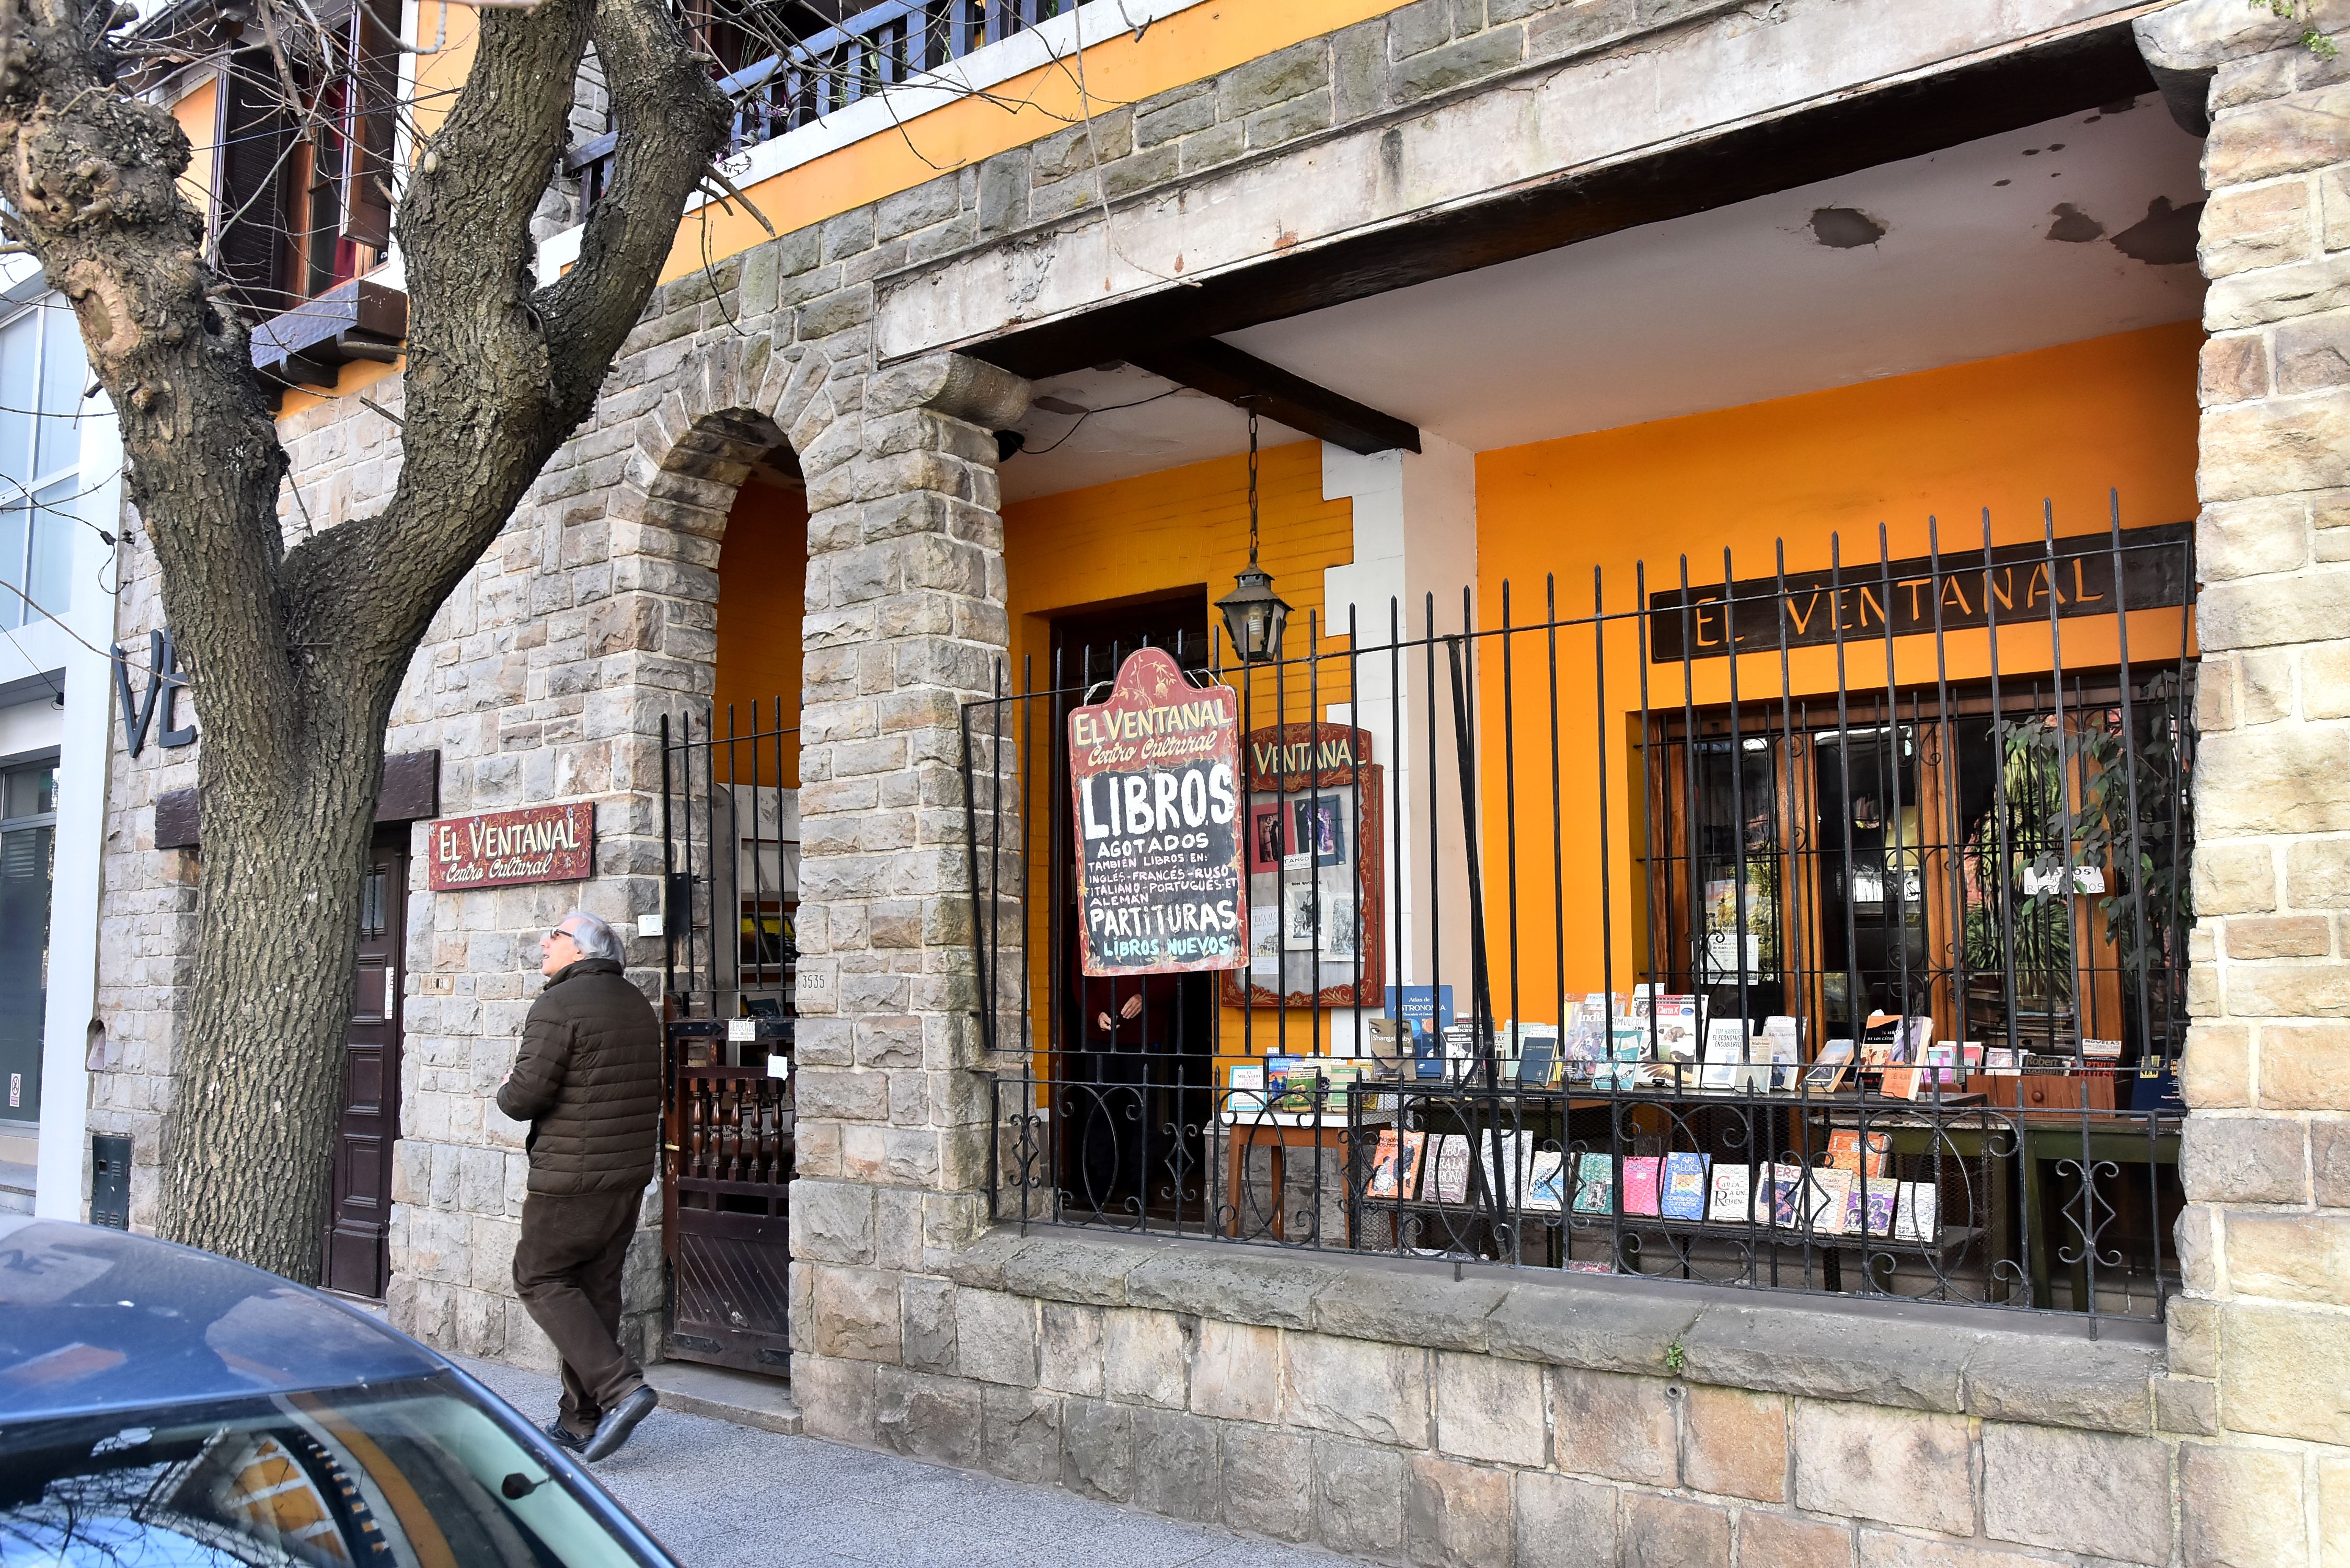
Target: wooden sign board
[
  {"x": 508, "y": 848},
  {"x": 1920, "y": 594},
  {"x": 1154, "y": 772},
  {"x": 1315, "y": 841}
]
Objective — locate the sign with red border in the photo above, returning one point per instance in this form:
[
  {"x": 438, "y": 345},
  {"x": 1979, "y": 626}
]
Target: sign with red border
[
  {"x": 1155, "y": 774},
  {"x": 509, "y": 848}
]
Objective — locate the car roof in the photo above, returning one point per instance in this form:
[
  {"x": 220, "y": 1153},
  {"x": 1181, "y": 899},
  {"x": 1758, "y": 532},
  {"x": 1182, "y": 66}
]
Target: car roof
[{"x": 94, "y": 1319}]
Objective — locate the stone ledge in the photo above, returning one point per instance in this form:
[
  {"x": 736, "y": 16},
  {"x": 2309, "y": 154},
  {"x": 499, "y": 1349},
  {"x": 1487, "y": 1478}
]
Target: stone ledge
[{"x": 1932, "y": 1356}]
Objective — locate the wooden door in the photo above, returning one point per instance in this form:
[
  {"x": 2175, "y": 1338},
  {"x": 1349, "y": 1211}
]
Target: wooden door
[{"x": 356, "y": 1242}]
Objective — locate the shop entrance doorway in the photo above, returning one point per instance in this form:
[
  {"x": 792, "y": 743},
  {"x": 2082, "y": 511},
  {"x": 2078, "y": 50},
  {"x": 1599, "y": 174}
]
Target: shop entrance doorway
[
  {"x": 1134, "y": 1057},
  {"x": 356, "y": 1247}
]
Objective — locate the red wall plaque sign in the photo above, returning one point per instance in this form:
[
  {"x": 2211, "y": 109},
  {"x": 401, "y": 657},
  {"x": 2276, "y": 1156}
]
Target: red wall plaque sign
[
  {"x": 507, "y": 848},
  {"x": 1155, "y": 772}
]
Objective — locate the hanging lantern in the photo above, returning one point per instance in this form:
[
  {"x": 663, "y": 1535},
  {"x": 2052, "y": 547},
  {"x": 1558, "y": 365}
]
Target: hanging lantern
[{"x": 1253, "y": 614}]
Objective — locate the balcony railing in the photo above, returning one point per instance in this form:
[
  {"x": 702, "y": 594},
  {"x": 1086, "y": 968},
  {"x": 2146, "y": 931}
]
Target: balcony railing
[{"x": 878, "y": 48}]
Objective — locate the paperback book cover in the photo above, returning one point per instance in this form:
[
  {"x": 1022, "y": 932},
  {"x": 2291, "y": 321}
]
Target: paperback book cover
[
  {"x": 1385, "y": 1167},
  {"x": 1844, "y": 1151},
  {"x": 1733, "y": 1187},
  {"x": 1831, "y": 1195},
  {"x": 1685, "y": 1183},
  {"x": 1676, "y": 1036},
  {"x": 1505, "y": 1176},
  {"x": 1870, "y": 1213},
  {"x": 1451, "y": 1169},
  {"x": 1917, "y": 1218},
  {"x": 1411, "y": 1160},
  {"x": 1594, "y": 1185},
  {"x": 1797, "y": 1202},
  {"x": 1247, "y": 1096},
  {"x": 1642, "y": 1184},
  {"x": 1546, "y": 1184}
]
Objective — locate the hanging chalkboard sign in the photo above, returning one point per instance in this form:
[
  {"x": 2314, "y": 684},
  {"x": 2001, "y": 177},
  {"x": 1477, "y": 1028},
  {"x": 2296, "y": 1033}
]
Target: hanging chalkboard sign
[{"x": 1156, "y": 775}]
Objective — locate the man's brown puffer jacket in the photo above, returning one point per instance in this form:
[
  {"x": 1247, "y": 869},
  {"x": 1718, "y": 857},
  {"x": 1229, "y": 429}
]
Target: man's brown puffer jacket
[{"x": 587, "y": 1079}]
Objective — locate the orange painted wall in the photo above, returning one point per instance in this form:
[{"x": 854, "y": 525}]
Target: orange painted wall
[
  {"x": 199, "y": 117},
  {"x": 1170, "y": 530},
  {"x": 2065, "y": 424},
  {"x": 762, "y": 592}
]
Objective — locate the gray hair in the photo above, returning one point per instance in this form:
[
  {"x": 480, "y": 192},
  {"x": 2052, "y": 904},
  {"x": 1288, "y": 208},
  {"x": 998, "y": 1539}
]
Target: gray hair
[{"x": 592, "y": 934}]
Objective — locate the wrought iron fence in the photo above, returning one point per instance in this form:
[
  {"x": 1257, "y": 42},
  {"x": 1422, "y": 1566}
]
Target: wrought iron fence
[
  {"x": 730, "y": 899},
  {"x": 1899, "y": 847}
]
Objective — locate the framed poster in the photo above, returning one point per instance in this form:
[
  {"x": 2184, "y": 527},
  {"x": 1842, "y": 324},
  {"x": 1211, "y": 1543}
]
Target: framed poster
[
  {"x": 1155, "y": 770},
  {"x": 1317, "y": 888}
]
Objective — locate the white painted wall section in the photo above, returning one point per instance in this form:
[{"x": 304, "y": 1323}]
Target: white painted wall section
[{"x": 1415, "y": 533}]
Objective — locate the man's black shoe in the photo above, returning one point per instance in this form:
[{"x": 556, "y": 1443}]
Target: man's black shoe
[
  {"x": 619, "y": 1421},
  {"x": 564, "y": 1437}
]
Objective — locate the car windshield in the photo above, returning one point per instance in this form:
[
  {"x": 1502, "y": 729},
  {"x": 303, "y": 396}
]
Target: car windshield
[{"x": 412, "y": 1475}]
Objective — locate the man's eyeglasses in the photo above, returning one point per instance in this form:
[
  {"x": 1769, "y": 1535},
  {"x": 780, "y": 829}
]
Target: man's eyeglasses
[{"x": 560, "y": 932}]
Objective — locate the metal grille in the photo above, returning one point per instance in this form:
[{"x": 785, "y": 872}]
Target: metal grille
[
  {"x": 731, "y": 876},
  {"x": 1932, "y": 813}
]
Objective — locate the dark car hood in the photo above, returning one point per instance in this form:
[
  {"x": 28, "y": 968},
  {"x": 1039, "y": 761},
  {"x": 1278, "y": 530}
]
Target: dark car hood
[{"x": 93, "y": 1319}]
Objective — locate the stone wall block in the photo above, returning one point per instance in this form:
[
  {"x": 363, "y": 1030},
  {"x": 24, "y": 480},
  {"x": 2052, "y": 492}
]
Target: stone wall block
[
  {"x": 1097, "y": 1448},
  {"x": 1614, "y": 1425},
  {"x": 1563, "y": 1524},
  {"x": 1070, "y": 1348},
  {"x": 1356, "y": 1389},
  {"x": 2271, "y": 1358},
  {"x": 1146, "y": 1357},
  {"x": 1456, "y": 1515},
  {"x": 2289, "y": 1257},
  {"x": 927, "y": 1417},
  {"x": 1733, "y": 1443},
  {"x": 1790, "y": 1541},
  {"x": 1488, "y": 1408},
  {"x": 1236, "y": 1372},
  {"x": 2215, "y": 1071},
  {"x": 1895, "y": 1467},
  {"x": 834, "y": 1397},
  {"x": 1268, "y": 1482},
  {"x": 2244, "y": 1159},
  {"x": 1020, "y": 1434},
  {"x": 1359, "y": 1496},
  {"x": 2243, "y": 1508},
  {"x": 1670, "y": 1533},
  {"x": 997, "y": 1337},
  {"x": 857, "y": 1314},
  {"x": 2077, "y": 1491},
  {"x": 2283, "y": 136},
  {"x": 2303, "y": 1066},
  {"x": 1178, "y": 1464}
]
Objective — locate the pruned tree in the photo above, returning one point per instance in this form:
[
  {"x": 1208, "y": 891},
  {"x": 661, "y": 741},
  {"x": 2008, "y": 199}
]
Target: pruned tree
[{"x": 296, "y": 653}]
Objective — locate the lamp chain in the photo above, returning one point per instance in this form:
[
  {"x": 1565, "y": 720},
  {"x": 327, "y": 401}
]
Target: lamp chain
[{"x": 1252, "y": 414}]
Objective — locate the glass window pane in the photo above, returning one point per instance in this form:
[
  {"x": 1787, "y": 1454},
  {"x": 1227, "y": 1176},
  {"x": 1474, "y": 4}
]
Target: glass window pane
[
  {"x": 65, "y": 370},
  {"x": 56, "y": 517},
  {"x": 20, "y": 393},
  {"x": 414, "y": 1475},
  {"x": 31, "y": 792},
  {"x": 12, "y": 565}
]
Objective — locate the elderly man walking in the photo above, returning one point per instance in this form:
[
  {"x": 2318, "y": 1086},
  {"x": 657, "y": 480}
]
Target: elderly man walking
[{"x": 587, "y": 1079}]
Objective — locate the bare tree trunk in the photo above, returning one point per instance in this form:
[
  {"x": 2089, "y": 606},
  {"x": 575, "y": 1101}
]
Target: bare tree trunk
[{"x": 296, "y": 656}]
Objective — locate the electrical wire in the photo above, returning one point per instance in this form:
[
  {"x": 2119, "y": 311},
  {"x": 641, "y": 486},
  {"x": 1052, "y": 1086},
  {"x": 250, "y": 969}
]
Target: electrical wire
[{"x": 1039, "y": 451}]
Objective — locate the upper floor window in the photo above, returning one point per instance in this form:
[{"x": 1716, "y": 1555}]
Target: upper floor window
[
  {"x": 42, "y": 372},
  {"x": 304, "y": 198}
]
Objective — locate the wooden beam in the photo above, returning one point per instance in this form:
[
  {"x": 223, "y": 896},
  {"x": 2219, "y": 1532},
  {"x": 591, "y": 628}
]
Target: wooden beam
[
  {"x": 2080, "y": 72},
  {"x": 1237, "y": 375}
]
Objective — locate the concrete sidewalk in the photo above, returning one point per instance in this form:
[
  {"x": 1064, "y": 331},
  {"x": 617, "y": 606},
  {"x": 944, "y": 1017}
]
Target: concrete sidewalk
[{"x": 723, "y": 1496}]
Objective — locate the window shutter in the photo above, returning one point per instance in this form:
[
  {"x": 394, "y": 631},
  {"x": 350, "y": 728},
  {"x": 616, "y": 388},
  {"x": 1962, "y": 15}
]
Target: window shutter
[
  {"x": 257, "y": 130},
  {"x": 367, "y": 140}
]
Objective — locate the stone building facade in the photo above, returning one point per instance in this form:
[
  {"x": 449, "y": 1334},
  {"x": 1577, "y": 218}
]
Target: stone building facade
[{"x": 1380, "y": 1409}]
